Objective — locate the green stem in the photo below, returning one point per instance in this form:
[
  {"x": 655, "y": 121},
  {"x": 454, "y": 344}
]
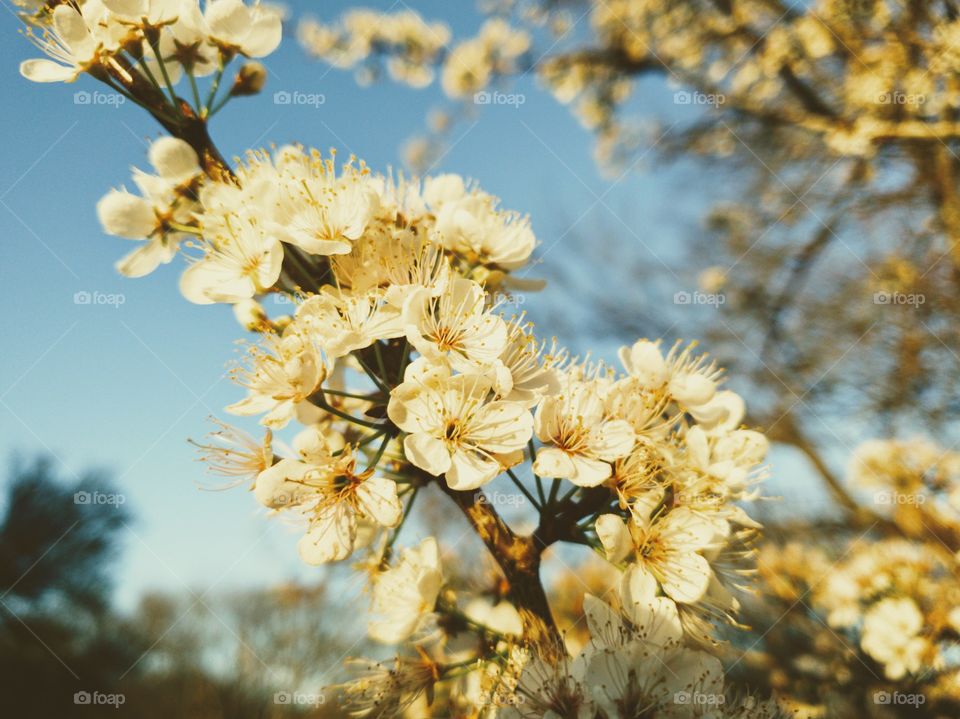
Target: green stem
[
  {"x": 371, "y": 374},
  {"x": 195, "y": 89},
  {"x": 554, "y": 490},
  {"x": 163, "y": 71},
  {"x": 523, "y": 489},
  {"x": 404, "y": 360},
  {"x": 379, "y": 355},
  {"x": 372, "y": 438},
  {"x": 338, "y": 393},
  {"x": 379, "y": 455},
  {"x": 321, "y": 402},
  {"x": 219, "y": 106},
  {"x": 142, "y": 61},
  {"x": 403, "y": 519},
  {"x": 572, "y": 491},
  {"x": 214, "y": 86},
  {"x": 540, "y": 494}
]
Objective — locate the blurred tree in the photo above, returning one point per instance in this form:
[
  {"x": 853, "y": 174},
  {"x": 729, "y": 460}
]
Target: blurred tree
[{"x": 58, "y": 543}]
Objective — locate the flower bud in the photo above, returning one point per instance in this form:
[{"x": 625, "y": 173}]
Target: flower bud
[{"x": 250, "y": 80}]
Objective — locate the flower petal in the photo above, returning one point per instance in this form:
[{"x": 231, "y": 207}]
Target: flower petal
[{"x": 428, "y": 453}]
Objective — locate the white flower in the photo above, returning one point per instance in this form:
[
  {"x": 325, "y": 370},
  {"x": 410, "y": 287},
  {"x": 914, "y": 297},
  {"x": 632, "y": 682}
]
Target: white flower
[
  {"x": 690, "y": 380},
  {"x": 283, "y": 374},
  {"x": 667, "y": 547},
  {"x": 584, "y": 440},
  {"x": 473, "y": 227},
  {"x": 405, "y": 595},
  {"x": 164, "y": 200},
  {"x": 342, "y": 323},
  {"x": 383, "y": 691},
  {"x": 467, "y": 69},
  {"x": 644, "y": 361},
  {"x": 238, "y": 264},
  {"x": 626, "y": 670},
  {"x": 531, "y": 372},
  {"x": 654, "y": 618},
  {"x": 328, "y": 220},
  {"x": 890, "y": 635},
  {"x": 254, "y": 30},
  {"x": 334, "y": 496},
  {"x": 454, "y": 429},
  {"x": 188, "y": 42},
  {"x": 233, "y": 453},
  {"x": 69, "y": 41},
  {"x": 551, "y": 691},
  {"x": 694, "y": 673},
  {"x": 148, "y": 12},
  {"x": 455, "y": 325},
  {"x": 627, "y": 680},
  {"x": 723, "y": 413},
  {"x": 728, "y": 458},
  {"x": 307, "y": 203}
]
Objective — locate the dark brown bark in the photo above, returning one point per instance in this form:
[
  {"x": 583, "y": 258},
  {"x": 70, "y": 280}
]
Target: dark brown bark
[{"x": 519, "y": 559}]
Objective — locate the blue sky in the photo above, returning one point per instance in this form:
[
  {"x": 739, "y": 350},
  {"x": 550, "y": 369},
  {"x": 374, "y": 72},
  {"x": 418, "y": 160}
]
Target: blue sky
[{"x": 122, "y": 387}]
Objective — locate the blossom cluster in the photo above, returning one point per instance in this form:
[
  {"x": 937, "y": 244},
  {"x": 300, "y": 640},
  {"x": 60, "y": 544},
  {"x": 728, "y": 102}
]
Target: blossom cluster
[
  {"x": 400, "y": 368},
  {"x": 163, "y": 37},
  {"x": 413, "y": 49},
  {"x": 414, "y": 45},
  {"x": 893, "y": 599},
  {"x": 635, "y": 663}
]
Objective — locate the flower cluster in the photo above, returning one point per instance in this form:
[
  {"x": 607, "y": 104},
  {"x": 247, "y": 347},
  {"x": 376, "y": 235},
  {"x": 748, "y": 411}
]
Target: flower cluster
[
  {"x": 401, "y": 371},
  {"x": 413, "y": 48},
  {"x": 886, "y": 608},
  {"x": 285, "y": 215},
  {"x": 163, "y": 38},
  {"x": 413, "y": 45},
  {"x": 634, "y": 664}
]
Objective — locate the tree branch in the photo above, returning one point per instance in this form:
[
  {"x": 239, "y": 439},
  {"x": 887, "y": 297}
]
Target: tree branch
[{"x": 519, "y": 559}]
